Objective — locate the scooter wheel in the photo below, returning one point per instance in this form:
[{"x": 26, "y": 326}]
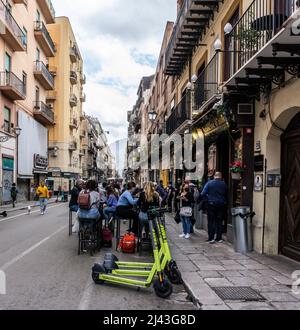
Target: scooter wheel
[
  {"x": 96, "y": 272},
  {"x": 163, "y": 290},
  {"x": 95, "y": 277}
]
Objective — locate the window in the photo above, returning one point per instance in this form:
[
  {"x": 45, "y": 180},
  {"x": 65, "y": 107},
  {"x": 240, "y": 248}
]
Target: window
[
  {"x": 24, "y": 38},
  {"x": 38, "y": 54},
  {"x": 37, "y": 95},
  {"x": 7, "y": 63},
  {"x": 24, "y": 79},
  {"x": 6, "y": 116},
  {"x": 38, "y": 16}
]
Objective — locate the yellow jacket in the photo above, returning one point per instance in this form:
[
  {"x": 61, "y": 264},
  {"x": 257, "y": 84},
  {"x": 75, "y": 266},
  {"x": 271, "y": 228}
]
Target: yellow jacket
[{"x": 42, "y": 192}]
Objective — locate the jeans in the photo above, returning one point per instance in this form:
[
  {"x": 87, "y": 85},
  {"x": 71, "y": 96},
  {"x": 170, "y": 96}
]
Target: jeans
[
  {"x": 92, "y": 214},
  {"x": 43, "y": 204},
  {"x": 109, "y": 211},
  {"x": 186, "y": 224},
  {"x": 216, "y": 215}
]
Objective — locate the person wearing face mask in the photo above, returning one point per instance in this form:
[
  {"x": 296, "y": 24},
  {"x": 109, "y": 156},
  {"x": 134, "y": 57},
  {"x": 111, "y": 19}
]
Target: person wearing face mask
[{"x": 186, "y": 212}]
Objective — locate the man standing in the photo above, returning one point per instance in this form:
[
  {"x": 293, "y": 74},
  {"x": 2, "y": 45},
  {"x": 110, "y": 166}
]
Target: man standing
[
  {"x": 216, "y": 192},
  {"x": 162, "y": 193},
  {"x": 14, "y": 194},
  {"x": 43, "y": 194},
  {"x": 171, "y": 195}
]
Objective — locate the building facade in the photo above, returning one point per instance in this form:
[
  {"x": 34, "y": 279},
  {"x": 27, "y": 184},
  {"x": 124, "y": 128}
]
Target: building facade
[
  {"x": 65, "y": 137},
  {"x": 25, "y": 79},
  {"x": 235, "y": 70}
]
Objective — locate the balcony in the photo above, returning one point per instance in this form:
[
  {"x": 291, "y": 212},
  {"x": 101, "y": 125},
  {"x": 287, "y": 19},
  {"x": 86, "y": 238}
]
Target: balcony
[
  {"x": 51, "y": 96},
  {"x": 73, "y": 77},
  {"x": 11, "y": 33},
  {"x": 24, "y": 2},
  {"x": 12, "y": 87},
  {"x": 74, "y": 123},
  {"x": 73, "y": 100},
  {"x": 43, "y": 113},
  {"x": 83, "y": 79},
  {"x": 192, "y": 22},
  {"x": 43, "y": 75},
  {"x": 73, "y": 146},
  {"x": 206, "y": 86},
  {"x": 73, "y": 54},
  {"x": 48, "y": 11},
  {"x": 181, "y": 116},
  {"x": 262, "y": 48},
  {"x": 44, "y": 39},
  {"x": 83, "y": 97}
]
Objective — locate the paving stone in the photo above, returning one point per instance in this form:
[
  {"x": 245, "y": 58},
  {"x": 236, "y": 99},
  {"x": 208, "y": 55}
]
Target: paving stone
[
  {"x": 243, "y": 281},
  {"x": 229, "y": 262},
  {"x": 234, "y": 267},
  {"x": 283, "y": 280},
  {"x": 250, "y": 306},
  {"x": 209, "y": 274},
  {"x": 198, "y": 257},
  {"x": 271, "y": 288},
  {"x": 230, "y": 273},
  {"x": 268, "y": 272},
  {"x": 279, "y": 297},
  {"x": 287, "y": 306},
  {"x": 200, "y": 290},
  {"x": 215, "y": 308},
  {"x": 218, "y": 282},
  {"x": 249, "y": 273},
  {"x": 187, "y": 266},
  {"x": 210, "y": 267}
]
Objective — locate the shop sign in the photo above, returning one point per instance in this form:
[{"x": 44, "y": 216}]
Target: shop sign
[
  {"x": 8, "y": 164},
  {"x": 274, "y": 181},
  {"x": 40, "y": 162},
  {"x": 216, "y": 124},
  {"x": 259, "y": 183}
]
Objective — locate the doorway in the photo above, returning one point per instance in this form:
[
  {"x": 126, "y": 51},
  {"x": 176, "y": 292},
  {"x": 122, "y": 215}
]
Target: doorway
[{"x": 289, "y": 239}]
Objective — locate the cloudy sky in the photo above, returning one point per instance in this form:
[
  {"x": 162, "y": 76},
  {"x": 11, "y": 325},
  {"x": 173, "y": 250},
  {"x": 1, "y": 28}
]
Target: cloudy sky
[{"x": 120, "y": 42}]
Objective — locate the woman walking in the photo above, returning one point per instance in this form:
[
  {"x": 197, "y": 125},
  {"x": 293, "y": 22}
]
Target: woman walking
[{"x": 186, "y": 212}]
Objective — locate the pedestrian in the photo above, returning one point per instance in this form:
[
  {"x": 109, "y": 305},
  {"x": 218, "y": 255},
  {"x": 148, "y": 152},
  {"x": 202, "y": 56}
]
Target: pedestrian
[
  {"x": 13, "y": 194},
  {"x": 216, "y": 194},
  {"x": 125, "y": 207},
  {"x": 43, "y": 195},
  {"x": 186, "y": 212},
  {"x": 73, "y": 205},
  {"x": 171, "y": 194},
  {"x": 162, "y": 193}
]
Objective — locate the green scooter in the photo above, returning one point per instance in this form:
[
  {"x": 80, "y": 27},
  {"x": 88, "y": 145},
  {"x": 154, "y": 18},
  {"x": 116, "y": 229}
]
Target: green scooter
[{"x": 162, "y": 286}]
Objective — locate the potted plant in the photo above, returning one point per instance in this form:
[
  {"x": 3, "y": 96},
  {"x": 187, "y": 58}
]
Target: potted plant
[{"x": 236, "y": 170}]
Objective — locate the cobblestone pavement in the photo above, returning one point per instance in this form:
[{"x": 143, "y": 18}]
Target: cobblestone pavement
[{"x": 206, "y": 267}]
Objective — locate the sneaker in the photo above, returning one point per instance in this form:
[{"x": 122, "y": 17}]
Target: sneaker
[
  {"x": 188, "y": 236},
  {"x": 220, "y": 241},
  {"x": 182, "y": 236},
  {"x": 212, "y": 242}
]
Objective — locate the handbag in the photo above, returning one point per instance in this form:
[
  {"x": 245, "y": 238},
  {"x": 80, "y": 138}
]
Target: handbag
[{"x": 186, "y": 212}]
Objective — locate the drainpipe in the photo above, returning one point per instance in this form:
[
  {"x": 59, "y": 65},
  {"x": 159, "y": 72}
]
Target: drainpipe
[{"x": 265, "y": 206}]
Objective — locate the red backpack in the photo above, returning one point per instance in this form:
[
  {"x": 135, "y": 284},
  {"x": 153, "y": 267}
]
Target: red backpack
[
  {"x": 128, "y": 243},
  {"x": 84, "y": 200}
]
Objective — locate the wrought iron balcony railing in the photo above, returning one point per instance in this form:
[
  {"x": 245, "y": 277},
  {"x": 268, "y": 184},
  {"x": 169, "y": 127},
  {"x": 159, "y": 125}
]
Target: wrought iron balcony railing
[
  {"x": 41, "y": 67},
  {"x": 40, "y": 26},
  {"x": 259, "y": 24},
  {"x": 206, "y": 85},
  {"x": 10, "y": 82},
  {"x": 6, "y": 16},
  {"x": 44, "y": 112},
  {"x": 180, "y": 114}
]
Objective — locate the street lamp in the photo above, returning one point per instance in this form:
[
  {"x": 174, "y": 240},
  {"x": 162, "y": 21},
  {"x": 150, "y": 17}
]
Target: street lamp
[
  {"x": 228, "y": 29},
  {"x": 218, "y": 45},
  {"x": 17, "y": 131},
  {"x": 152, "y": 116}
]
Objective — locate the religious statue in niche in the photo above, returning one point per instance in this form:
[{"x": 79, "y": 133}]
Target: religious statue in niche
[{"x": 212, "y": 160}]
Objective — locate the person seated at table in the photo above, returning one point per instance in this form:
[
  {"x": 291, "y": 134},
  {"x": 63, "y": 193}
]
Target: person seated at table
[
  {"x": 112, "y": 202},
  {"x": 93, "y": 211},
  {"x": 125, "y": 207},
  {"x": 73, "y": 205},
  {"x": 149, "y": 198}
]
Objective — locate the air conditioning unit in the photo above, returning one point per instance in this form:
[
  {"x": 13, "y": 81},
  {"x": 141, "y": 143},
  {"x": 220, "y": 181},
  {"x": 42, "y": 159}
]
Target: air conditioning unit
[{"x": 245, "y": 109}]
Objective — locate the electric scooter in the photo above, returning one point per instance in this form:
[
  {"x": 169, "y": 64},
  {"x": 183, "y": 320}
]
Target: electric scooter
[
  {"x": 143, "y": 269},
  {"x": 163, "y": 288}
]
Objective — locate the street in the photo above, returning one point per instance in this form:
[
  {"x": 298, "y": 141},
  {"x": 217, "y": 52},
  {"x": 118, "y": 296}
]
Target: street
[{"x": 44, "y": 272}]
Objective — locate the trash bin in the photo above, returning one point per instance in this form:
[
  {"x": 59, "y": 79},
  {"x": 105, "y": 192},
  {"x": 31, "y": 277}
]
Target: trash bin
[{"x": 242, "y": 229}]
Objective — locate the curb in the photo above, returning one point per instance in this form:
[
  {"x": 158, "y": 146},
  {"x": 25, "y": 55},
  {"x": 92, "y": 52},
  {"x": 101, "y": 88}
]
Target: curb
[{"x": 191, "y": 296}]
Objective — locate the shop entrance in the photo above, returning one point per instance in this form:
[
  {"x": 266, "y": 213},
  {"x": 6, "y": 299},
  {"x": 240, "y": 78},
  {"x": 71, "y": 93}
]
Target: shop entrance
[{"x": 290, "y": 193}]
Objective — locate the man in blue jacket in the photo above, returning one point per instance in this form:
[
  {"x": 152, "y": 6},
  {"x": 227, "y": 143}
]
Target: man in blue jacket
[{"x": 216, "y": 194}]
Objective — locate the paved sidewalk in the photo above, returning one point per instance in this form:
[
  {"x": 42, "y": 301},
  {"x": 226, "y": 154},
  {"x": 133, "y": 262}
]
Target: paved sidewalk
[
  {"x": 205, "y": 267},
  {"x": 22, "y": 206}
]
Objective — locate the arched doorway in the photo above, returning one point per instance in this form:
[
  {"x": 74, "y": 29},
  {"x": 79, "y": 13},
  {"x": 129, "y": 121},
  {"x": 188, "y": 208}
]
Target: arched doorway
[{"x": 289, "y": 240}]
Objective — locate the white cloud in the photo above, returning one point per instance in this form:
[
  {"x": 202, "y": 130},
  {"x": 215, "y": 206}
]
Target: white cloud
[{"x": 120, "y": 42}]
